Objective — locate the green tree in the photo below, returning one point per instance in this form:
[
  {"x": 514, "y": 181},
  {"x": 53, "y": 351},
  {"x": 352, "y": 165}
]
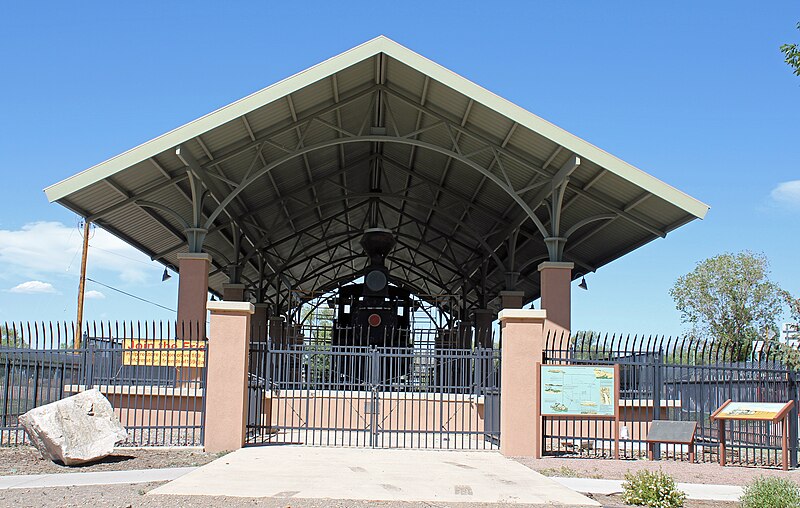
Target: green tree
[
  {"x": 587, "y": 345},
  {"x": 9, "y": 338},
  {"x": 791, "y": 54},
  {"x": 730, "y": 299}
]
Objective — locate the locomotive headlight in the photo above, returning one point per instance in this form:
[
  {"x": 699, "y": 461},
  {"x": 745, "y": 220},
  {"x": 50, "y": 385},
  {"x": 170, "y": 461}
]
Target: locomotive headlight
[
  {"x": 375, "y": 280},
  {"x": 374, "y": 320}
]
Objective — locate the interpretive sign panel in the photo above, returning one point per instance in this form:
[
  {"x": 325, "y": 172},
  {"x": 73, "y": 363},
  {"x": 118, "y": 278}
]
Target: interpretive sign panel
[
  {"x": 671, "y": 432},
  {"x": 751, "y": 410},
  {"x": 578, "y": 390},
  {"x": 163, "y": 353},
  {"x": 664, "y": 431},
  {"x": 775, "y": 412}
]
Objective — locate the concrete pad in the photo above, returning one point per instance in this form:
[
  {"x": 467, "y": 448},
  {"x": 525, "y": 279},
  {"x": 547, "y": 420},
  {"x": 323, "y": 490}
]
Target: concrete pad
[{"x": 373, "y": 475}]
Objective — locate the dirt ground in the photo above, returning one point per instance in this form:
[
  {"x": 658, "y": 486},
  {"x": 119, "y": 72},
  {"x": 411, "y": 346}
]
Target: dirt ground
[
  {"x": 135, "y": 496},
  {"x": 683, "y": 472},
  {"x": 26, "y": 460}
]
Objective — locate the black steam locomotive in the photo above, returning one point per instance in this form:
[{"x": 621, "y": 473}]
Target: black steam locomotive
[{"x": 374, "y": 313}]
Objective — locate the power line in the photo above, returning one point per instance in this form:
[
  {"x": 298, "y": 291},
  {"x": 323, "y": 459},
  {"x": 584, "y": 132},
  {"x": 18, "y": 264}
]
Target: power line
[
  {"x": 121, "y": 256},
  {"x": 132, "y": 296}
]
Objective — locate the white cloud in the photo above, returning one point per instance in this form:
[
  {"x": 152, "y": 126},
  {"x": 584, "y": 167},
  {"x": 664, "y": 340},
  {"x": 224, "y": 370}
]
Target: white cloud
[
  {"x": 94, "y": 295},
  {"x": 33, "y": 287},
  {"x": 787, "y": 194},
  {"x": 47, "y": 248}
]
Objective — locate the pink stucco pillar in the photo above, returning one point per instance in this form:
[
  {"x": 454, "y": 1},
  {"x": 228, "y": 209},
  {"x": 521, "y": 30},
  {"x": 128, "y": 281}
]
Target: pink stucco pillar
[
  {"x": 523, "y": 341},
  {"x": 226, "y": 375},
  {"x": 233, "y": 292},
  {"x": 555, "y": 289},
  {"x": 192, "y": 292}
]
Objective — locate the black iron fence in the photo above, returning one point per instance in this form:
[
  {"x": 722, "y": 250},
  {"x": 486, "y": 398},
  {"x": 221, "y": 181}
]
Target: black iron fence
[
  {"x": 152, "y": 373},
  {"x": 665, "y": 378},
  {"x": 425, "y": 394}
]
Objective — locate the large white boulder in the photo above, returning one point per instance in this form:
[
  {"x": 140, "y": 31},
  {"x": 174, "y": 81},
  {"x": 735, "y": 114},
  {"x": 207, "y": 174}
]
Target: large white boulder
[{"x": 75, "y": 430}]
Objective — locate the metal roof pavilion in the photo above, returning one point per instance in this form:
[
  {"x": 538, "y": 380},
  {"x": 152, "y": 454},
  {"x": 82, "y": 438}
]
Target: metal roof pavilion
[{"x": 281, "y": 184}]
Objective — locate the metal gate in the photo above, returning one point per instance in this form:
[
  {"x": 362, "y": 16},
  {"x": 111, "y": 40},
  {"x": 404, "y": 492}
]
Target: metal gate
[{"x": 382, "y": 397}]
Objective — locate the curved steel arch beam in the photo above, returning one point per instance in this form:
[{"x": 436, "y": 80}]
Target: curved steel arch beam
[
  {"x": 452, "y": 265},
  {"x": 589, "y": 220},
  {"x": 376, "y": 139},
  {"x": 158, "y": 206},
  {"x": 337, "y": 282},
  {"x": 343, "y": 260},
  {"x": 472, "y": 233}
]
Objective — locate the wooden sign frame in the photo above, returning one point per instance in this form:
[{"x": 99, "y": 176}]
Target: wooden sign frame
[
  {"x": 540, "y": 417},
  {"x": 781, "y": 416}
]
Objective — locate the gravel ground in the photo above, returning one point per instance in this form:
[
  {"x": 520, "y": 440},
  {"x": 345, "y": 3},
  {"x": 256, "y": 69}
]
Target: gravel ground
[
  {"x": 135, "y": 496},
  {"x": 616, "y": 502},
  {"x": 683, "y": 472},
  {"x": 25, "y": 460}
]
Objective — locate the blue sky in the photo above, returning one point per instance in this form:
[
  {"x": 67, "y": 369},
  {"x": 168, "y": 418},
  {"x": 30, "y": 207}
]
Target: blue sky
[{"x": 695, "y": 93}]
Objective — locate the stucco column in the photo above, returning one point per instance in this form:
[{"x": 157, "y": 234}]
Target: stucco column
[
  {"x": 193, "y": 292},
  {"x": 523, "y": 340},
  {"x": 233, "y": 292},
  {"x": 258, "y": 325},
  {"x": 483, "y": 319},
  {"x": 511, "y": 299},
  {"x": 555, "y": 289},
  {"x": 226, "y": 376}
]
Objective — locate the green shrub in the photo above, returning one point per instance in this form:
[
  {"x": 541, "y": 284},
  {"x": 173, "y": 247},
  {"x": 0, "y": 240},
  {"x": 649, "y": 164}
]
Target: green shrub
[
  {"x": 651, "y": 488},
  {"x": 771, "y": 492}
]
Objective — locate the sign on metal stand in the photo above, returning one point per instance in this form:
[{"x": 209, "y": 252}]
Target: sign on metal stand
[
  {"x": 574, "y": 392},
  {"x": 774, "y": 412}
]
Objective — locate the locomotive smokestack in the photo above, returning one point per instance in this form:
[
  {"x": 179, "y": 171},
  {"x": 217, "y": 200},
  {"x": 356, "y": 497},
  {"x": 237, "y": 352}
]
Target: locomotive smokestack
[{"x": 377, "y": 243}]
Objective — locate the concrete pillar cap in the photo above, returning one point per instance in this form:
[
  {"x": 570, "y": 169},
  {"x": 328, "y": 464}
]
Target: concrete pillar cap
[
  {"x": 512, "y": 293},
  {"x": 533, "y": 315},
  {"x": 232, "y": 285},
  {"x": 231, "y": 307},
  {"x": 195, "y": 255},
  {"x": 564, "y": 265}
]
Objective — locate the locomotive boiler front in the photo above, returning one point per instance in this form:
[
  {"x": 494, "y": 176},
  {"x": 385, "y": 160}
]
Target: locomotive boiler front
[{"x": 377, "y": 311}]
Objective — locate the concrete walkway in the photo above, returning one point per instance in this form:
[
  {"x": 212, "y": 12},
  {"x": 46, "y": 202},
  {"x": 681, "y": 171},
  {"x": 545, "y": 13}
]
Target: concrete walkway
[
  {"x": 692, "y": 490},
  {"x": 35, "y": 481},
  {"x": 466, "y": 472},
  {"x": 373, "y": 475}
]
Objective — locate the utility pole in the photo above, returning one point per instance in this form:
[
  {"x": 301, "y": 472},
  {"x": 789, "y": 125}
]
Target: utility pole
[{"x": 82, "y": 285}]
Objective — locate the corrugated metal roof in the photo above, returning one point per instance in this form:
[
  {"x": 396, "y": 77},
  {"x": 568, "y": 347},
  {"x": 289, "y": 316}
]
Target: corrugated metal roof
[{"x": 456, "y": 162}]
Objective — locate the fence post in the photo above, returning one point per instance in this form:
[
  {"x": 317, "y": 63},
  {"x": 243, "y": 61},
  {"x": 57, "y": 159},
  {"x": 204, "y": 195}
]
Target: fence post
[
  {"x": 374, "y": 380},
  {"x": 227, "y": 376},
  {"x": 7, "y": 393},
  {"x": 477, "y": 359},
  {"x": 520, "y": 420},
  {"x": 793, "y": 444},
  {"x": 87, "y": 348},
  {"x": 658, "y": 361}
]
